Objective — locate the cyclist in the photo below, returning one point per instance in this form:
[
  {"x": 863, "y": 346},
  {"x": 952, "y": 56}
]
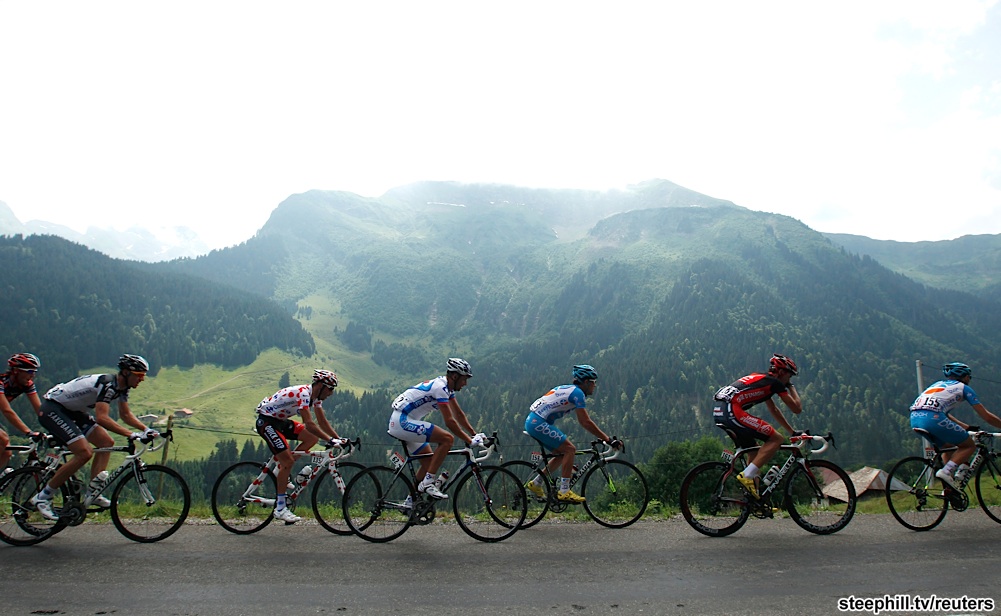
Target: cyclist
[
  {"x": 406, "y": 421},
  {"x": 730, "y": 413},
  {"x": 275, "y": 425},
  {"x": 19, "y": 379},
  {"x": 66, "y": 414},
  {"x": 931, "y": 412},
  {"x": 540, "y": 424}
]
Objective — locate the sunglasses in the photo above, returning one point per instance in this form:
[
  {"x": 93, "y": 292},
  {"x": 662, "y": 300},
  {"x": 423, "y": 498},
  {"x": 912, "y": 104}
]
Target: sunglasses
[{"x": 28, "y": 371}]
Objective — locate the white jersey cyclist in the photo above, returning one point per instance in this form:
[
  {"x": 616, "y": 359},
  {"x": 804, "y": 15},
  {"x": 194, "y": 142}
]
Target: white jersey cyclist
[
  {"x": 288, "y": 402},
  {"x": 931, "y": 410},
  {"x": 84, "y": 392},
  {"x": 410, "y": 407}
]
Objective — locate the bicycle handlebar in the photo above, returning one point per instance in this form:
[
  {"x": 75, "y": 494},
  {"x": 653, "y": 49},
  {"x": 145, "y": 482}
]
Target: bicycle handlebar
[
  {"x": 604, "y": 452},
  {"x": 802, "y": 439},
  {"x": 488, "y": 449}
]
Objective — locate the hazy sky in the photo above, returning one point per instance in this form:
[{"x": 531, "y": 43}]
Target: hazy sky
[{"x": 876, "y": 118}]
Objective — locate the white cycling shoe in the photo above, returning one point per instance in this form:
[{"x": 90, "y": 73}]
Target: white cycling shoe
[
  {"x": 285, "y": 515},
  {"x": 431, "y": 490},
  {"x": 44, "y": 507}
]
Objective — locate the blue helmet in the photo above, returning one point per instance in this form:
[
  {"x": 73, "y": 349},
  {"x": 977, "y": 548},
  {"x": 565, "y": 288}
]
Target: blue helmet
[
  {"x": 584, "y": 372},
  {"x": 956, "y": 370}
]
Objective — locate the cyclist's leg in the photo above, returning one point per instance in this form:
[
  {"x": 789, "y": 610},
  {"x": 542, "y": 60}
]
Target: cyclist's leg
[
  {"x": 64, "y": 427},
  {"x": 99, "y": 438},
  {"x": 276, "y": 433},
  {"x": 419, "y": 435},
  {"x": 946, "y": 432},
  {"x": 4, "y": 454},
  {"x": 553, "y": 439}
]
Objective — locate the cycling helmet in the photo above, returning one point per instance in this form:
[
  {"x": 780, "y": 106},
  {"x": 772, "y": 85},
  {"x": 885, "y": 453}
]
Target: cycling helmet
[
  {"x": 956, "y": 370},
  {"x": 460, "y": 366},
  {"x": 133, "y": 363},
  {"x": 326, "y": 377},
  {"x": 781, "y": 362},
  {"x": 24, "y": 361},
  {"x": 584, "y": 372}
]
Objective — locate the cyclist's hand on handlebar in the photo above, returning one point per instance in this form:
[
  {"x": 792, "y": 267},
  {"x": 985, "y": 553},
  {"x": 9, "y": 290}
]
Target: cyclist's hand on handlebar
[
  {"x": 135, "y": 436},
  {"x": 616, "y": 443},
  {"x": 38, "y": 437},
  {"x": 338, "y": 442},
  {"x": 151, "y": 433},
  {"x": 973, "y": 428},
  {"x": 479, "y": 440}
]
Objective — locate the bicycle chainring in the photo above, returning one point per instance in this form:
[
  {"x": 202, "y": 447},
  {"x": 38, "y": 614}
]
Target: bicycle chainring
[
  {"x": 959, "y": 501},
  {"x": 424, "y": 512},
  {"x": 73, "y": 513}
]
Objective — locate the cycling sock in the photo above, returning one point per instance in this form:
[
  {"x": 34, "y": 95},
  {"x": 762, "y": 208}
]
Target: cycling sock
[
  {"x": 538, "y": 481},
  {"x": 280, "y": 502},
  {"x": 950, "y": 467},
  {"x": 751, "y": 471},
  {"x": 47, "y": 492},
  {"x": 428, "y": 479}
]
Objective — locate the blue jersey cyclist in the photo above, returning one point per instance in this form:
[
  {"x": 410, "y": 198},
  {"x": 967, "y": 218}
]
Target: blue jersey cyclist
[
  {"x": 407, "y": 421},
  {"x": 931, "y": 412},
  {"x": 540, "y": 424},
  {"x": 19, "y": 379}
]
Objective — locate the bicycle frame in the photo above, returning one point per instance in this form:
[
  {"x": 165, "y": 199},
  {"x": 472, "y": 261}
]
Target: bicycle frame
[
  {"x": 320, "y": 460},
  {"x": 542, "y": 458},
  {"x": 797, "y": 456}
]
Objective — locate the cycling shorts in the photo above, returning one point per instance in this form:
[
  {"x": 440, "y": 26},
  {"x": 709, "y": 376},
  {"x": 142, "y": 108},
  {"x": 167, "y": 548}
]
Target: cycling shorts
[
  {"x": 942, "y": 428},
  {"x": 745, "y": 429},
  {"x": 416, "y": 433},
  {"x": 276, "y": 432},
  {"x": 64, "y": 425},
  {"x": 546, "y": 433}
]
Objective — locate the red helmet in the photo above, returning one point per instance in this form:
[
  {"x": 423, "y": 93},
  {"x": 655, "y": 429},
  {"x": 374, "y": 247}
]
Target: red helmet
[
  {"x": 24, "y": 361},
  {"x": 781, "y": 362}
]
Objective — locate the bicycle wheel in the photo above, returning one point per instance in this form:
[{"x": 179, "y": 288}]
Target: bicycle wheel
[
  {"x": 988, "y": 484},
  {"x": 712, "y": 500},
  {"x": 489, "y": 503},
  {"x": 915, "y": 497},
  {"x": 822, "y": 499},
  {"x": 536, "y": 506},
  {"x": 615, "y": 493},
  {"x": 20, "y": 522},
  {"x": 327, "y": 497},
  {"x": 379, "y": 504},
  {"x": 152, "y": 505},
  {"x": 242, "y": 501}
]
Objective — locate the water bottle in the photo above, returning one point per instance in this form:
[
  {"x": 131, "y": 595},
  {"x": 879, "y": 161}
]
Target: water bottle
[
  {"x": 98, "y": 482},
  {"x": 440, "y": 481},
  {"x": 770, "y": 476},
  {"x": 304, "y": 473}
]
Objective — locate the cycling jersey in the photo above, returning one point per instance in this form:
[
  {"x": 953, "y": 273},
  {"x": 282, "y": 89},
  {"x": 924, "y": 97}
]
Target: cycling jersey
[
  {"x": 84, "y": 392},
  {"x": 557, "y": 402},
  {"x": 930, "y": 411},
  {"x": 288, "y": 402},
  {"x": 405, "y": 423},
  {"x": 10, "y": 388},
  {"x": 732, "y": 402}
]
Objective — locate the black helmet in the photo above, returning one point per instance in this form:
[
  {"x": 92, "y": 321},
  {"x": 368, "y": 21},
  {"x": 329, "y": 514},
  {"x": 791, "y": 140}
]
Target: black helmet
[
  {"x": 133, "y": 363},
  {"x": 24, "y": 361}
]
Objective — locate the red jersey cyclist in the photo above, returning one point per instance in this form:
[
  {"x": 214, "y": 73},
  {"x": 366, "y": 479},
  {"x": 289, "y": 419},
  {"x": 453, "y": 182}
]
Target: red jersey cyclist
[
  {"x": 19, "y": 379},
  {"x": 276, "y": 426},
  {"x": 733, "y": 401}
]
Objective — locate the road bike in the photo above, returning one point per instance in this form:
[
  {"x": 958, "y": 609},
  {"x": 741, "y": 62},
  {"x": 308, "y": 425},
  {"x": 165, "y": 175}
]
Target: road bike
[
  {"x": 149, "y": 502},
  {"x": 243, "y": 497},
  {"x": 29, "y": 451},
  {"x": 615, "y": 491},
  {"x": 919, "y": 500},
  {"x": 818, "y": 494},
  {"x": 488, "y": 501}
]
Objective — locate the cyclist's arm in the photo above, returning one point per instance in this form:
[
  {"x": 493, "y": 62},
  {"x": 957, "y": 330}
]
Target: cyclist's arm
[
  {"x": 11, "y": 415},
  {"x": 986, "y": 415},
  {"x": 779, "y": 417},
  {"x": 102, "y": 413},
  {"x": 456, "y": 420},
  {"x": 311, "y": 425},
  {"x": 324, "y": 425},
  {"x": 588, "y": 424}
]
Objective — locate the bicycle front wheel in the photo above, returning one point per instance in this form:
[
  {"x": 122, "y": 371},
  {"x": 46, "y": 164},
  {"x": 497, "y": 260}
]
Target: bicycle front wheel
[
  {"x": 713, "y": 501},
  {"x": 915, "y": 496},
  {"x": 489, "y": 503},
  {"x": 379, "y": 504},
  {"x": 988, "y": 484},
  {"x": 822, "y": 499},
  {"x": 327, "y": 498},
  {"x": 151, "y": 504},
  {"x": 536, "y": 506},
  {"x": 615, "y": 493},
  {"x": 243, "y": 498},
  {"x": 20, "y": 522}
]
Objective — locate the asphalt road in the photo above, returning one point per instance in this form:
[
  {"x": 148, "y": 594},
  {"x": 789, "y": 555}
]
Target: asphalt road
[{"x": 662, "y": 567}]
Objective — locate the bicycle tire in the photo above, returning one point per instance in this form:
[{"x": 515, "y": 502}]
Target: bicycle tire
[
  {"x": 713, "y": 501},
  {"x": 489, "y": 503},
  {"x": 375, "y": 504},
  {"x": 536, "y": 507},
  {"x": 615, "y": 493},
  {"x": 988, "y": 487},
  {"x": 232, "y": 508},
  {"x": 327, "y": 498},
  {"x": 20, "y": 523},
  {"x": 152, "y": 509},
  {"x": 824, "y": 504},
  {"x": 915, "y": 497}
]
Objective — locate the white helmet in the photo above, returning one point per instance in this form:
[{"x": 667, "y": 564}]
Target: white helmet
[{"x": 460, "y": 366}]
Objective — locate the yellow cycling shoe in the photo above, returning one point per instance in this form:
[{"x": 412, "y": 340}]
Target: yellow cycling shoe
[
  {"x": 569, "y": 497},
  {"x": 535, "y": 489},
  {"x": 750, "y": 484}
]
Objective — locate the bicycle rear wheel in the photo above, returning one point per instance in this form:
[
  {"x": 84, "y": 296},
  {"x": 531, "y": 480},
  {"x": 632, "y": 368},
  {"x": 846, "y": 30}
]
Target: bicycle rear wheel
[
  {"x": 379, "y": 504},
  {"x": 242, "y": 502},
  {"x": 712, "y": 501},
  {"x": 915, "y": 496},
  {"x": 152, "y": 505},
  {"x": 20, "y": 522},
  {"x": 327, "y": 498},
  {"x": 988, "y": 484},
  {"x": 615, "y": 493},
  {"x": 489, "y": 503},
  {"x": 536, "y": 506},
  {"x": 821, "y": 500}
]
